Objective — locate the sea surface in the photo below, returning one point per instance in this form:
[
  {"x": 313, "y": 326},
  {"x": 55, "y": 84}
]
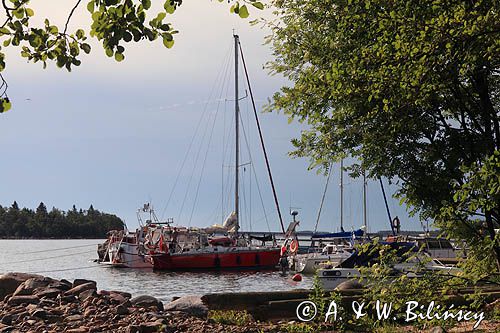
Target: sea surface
[{"x": 71, "y": 259}]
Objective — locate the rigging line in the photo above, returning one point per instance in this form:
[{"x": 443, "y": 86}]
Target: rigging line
[
  {"x": 60, "y": 249},
  {"x": 323, "y": 197},
  {"x": 203, "y": 165},
  {"x": 193, "y": 170},
  {"x": 262, "y": 142},
  {"x": 198, "y": 152},
  {"x": 256, "y": 180},
  {"x": 46, "y": 258},
  {"x": 64, "y": 269},
  {"x": 189, "y": 150}
]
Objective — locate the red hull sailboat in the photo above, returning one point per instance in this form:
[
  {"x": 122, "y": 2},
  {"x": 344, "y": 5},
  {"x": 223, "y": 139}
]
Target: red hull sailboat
[
  {"x": 229, "y": 258},
  {"x": 173, "y": 248}
]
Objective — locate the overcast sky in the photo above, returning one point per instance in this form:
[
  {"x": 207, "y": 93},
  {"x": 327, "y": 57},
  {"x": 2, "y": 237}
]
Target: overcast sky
[{"x": 115, "y": 134}]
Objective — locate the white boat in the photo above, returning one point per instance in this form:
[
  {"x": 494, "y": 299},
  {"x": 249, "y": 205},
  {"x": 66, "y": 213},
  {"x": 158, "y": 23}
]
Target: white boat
[
  {"x": 331, "y": 278},
  {"x": 125, "y": 249},
  {"x": 332, "y": 254}
]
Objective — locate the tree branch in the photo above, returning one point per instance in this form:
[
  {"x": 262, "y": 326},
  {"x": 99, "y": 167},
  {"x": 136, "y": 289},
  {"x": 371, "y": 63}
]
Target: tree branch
[{"x": 69, "y": 16}]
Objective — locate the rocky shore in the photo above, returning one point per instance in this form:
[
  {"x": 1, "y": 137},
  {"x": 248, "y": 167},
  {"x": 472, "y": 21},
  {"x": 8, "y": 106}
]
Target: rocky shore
[
  {"x": 38, "y": 304},
  {"x": 34, "y": 303}
]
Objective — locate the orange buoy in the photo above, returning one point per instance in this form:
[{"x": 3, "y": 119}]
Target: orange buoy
[
  {"x": 297, "y": 277},
  {"x": 294, "y": 246}
]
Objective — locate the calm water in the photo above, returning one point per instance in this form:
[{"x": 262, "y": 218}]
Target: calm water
[{"x": 71, "y": 259}]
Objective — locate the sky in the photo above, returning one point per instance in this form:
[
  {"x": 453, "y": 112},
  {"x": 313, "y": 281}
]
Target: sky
[{"x": 115, "y": 135}]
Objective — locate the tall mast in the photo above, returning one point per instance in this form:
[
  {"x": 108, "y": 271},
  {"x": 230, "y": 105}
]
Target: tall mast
[
  {"x": 342, "y": 195},
  {"x": 365, "y": 217},
  {"x": 237, "y": 129}
]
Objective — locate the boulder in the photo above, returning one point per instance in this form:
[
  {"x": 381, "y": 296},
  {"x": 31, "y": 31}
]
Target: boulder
[
  {"x": 47, "y": 292},
  {"x": 28, "y": 286},
  {"x": 27, "y": 299},
  {"x": 145, "y": 301},
  {"x": 122, "y": 310},
  {"x": 122, "y": 293},
  {"x": 75, "y": 291},
  {"x": 191, "y": 305},
  {"x": 78, "y": 282},
  {"x": 10, "y": 281},
  {"x": 84, "y": 295}
]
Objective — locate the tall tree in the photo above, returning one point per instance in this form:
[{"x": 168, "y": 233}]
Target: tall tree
[{"x": 410, "y": 88}]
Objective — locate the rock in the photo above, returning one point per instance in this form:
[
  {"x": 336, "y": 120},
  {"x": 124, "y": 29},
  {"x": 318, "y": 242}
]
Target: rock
[
  {"x": 10, "y": 281},
  {"x": 89, "y": 311},
  {"x": 145, "y": 301},
  {"x": 47, "y": 292},
  {"x": 7, "y": 319},
  {"x": 149, "y": 327},
  {"x": 42, "y": 314},
  {"x": 192, "y": 305},
  {"x": 79, "y": 282},
  {"x": 69, "y": 299},
  {"x": 75, "y": 317},
  {"x": 77, "y": 290},
  {"x": 103, "y": 292},
  {"x": 28, "y": 286},
  {"x": 84, "y": 295},
  {"x": 82, "y": 329},
  {"x": 437, "y": 329},
  {"x": 53, "y": 319},
  {"x": 28, "y": 299},
  {"x": 124, "y": 294},
  {"x": 6, "y": 328},
  {"x": 349, "y": 284},
  {"x": 117, "y": 298},
  {"x": 122, "y": 310}
]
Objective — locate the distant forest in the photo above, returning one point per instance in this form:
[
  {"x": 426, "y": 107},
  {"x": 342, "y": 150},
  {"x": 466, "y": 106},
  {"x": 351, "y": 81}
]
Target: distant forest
[{"x": 26, "y": 223}]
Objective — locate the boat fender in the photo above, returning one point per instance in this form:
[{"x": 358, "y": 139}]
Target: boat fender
[
  {"x": 294, "y": 246},
  {"x": 297, "y": 277}
]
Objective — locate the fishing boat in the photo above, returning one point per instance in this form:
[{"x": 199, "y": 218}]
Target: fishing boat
[{"x": 218, "y": 247}]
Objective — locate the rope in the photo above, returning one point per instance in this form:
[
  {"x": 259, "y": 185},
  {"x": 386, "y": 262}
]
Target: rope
[
  {"x": 255, "y": 176},
  {"x": 46, "y": 258},
  {"x": 191, "y": 144},
  {"x": 262, "y": 142},
  {"x": 60, "y": 248},
  {"x": 323, "y": 197}
]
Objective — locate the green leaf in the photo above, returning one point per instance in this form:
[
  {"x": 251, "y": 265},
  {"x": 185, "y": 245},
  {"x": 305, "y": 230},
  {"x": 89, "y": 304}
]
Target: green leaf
[
  {"x": 109, "y": 52},
  {"x": 161, "y": 16},
  {"x": 29, "y": 12},
  {"x": 119, "y": 56},
  {"x": 258, "y": 5},
  {"x": 90, "y": 6},
  {"x": 168, "y": 42},
  {"x": 169, "y": 7},
  {"x": 146, "y": 4},
  {"x": 5, "y": 105},
  {"x": 80, "y": 34},
  {"x": 243, "y": 12}
]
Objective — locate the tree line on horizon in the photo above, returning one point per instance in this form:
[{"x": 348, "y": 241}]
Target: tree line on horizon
[{"x": 56, "y": 223}]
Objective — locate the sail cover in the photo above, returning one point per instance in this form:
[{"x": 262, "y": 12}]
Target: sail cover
[{"x": 346, "y": 234}]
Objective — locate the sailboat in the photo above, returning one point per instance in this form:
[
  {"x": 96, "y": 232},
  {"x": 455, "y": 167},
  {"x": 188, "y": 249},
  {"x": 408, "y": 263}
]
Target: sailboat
[
  {"x": 177, "y": 248},
  {"x": 334, "y": 247}
]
